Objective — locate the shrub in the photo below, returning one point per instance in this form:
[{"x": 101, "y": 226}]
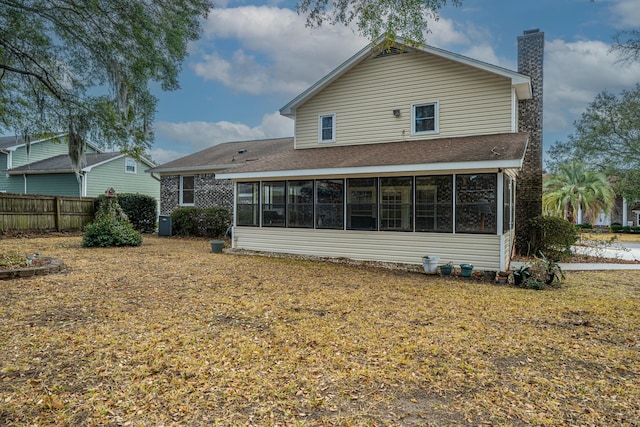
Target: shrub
[
  {"x": 184, "y": 221},
  {"x": 110, "y": 227},
  {"x": 198, "y": 222},
  {"x": 585, "y": 226},
  {"x": 142, "y": 210},
  {"x": 215, "y": 221},
  {"x": 551, "y": 236},
  {"x": 616, "y": 227}
]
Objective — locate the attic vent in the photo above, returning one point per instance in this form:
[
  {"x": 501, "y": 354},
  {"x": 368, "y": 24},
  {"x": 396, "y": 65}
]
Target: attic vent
[{"x": 393, "y": 50}]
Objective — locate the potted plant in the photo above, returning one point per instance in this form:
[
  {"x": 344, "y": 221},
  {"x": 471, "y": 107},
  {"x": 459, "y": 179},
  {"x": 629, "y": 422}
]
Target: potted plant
[
  {"x": 542, "y": 272},
  {"x": 502, "y": 277},
  {"x": 430, "y": 263},
  {"x": 445, "y": 270},
  {"x": 521, "y": 274},
  {"x": 465, "y": 270},
  {"x": 553, "y": 271}
]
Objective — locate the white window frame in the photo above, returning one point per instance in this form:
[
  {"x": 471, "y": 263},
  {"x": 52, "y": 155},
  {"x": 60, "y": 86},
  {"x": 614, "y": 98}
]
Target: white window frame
[
  {"x": 333, "y": 130},
  {"x": 127, "y": 163},
  {"x": 182, "y": 190},
  {"x": 436, "y": 118}
]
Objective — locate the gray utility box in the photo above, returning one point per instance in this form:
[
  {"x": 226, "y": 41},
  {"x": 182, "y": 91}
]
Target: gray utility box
[{"x": 164, "y": 225}]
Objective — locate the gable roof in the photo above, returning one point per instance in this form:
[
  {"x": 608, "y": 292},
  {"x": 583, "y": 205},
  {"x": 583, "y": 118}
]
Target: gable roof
[
  {"x": 224, "y": 156},
  {"x": 469, "y": 153},
  {"x": 62, "y": 164},
  {"x": 520, "y": 82}
]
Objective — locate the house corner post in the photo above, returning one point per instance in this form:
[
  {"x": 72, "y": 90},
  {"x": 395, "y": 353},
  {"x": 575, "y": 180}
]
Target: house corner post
[{"x": 529, "y": 194}]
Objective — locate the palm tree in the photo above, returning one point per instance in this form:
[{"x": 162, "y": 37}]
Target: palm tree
[{"x": 576, "y": 189}]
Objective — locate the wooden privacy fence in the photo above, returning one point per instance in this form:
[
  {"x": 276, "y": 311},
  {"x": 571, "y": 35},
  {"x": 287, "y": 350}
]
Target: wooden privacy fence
[{"x": 44, "y": 213}]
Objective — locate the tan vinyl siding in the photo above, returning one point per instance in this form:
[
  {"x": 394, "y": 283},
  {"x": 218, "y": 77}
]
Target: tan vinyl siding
[
  {"x": 507, "y": 249},
  {"x": 112, "y": 175},
  {"x": 471, "y": 101},
  {"x": 482, "y": 251}
]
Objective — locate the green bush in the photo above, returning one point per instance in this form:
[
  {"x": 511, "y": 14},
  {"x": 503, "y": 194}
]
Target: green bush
[
  {"x": 198, "y": 222},
  {"x": 585, "y": 226},
  {"x": 184, "y": 221},
  {"x": 616, "y": 227},
  {"x": 551, "y": 236},
  {"x": 110, "y": 227},
  {"x": 142, "y": 210}
]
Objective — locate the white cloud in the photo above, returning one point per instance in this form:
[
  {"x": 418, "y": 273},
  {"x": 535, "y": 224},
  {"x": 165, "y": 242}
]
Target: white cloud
[
  {"x": 626, "y": 13},
  {"x": 574, "y": 74},
  {"x": 196, "y": 136},
  {"x": 443, "y": 33},
  {"x": 275, "y": 51}
]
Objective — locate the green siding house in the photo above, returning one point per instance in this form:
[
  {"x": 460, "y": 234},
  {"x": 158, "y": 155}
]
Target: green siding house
[{"x": 46, "y": 169}]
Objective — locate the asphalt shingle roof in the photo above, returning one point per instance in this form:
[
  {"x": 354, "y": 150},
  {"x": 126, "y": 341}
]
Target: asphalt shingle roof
[
  {"x": 61, "y": 163},
  {"x": 481, "y": 148},
  {"x": 226, "y": 155}
]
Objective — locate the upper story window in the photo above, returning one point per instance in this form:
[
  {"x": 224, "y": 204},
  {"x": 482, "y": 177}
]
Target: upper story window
[
  {"x": 130, "y": 166},
  {"x": 327, "y": 128},
  {"x": 187, "y": 190},
  {"x": 424, "y": 118}
]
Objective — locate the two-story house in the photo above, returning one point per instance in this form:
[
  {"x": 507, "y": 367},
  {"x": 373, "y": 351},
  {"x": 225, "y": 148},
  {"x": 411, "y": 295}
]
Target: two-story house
[
  {"x": 44, "y": 167},
  {"x": 398, "y": 153}
]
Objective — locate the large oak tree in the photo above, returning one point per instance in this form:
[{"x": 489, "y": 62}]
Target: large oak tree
[{"x": 86, "y": 67}]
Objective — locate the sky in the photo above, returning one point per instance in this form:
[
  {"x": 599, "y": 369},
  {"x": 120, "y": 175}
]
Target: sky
[{"x": 254, "y": 57}]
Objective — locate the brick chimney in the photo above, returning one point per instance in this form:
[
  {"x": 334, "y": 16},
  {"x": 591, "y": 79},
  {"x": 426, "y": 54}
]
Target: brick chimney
[{"x": 529, "y": 186}]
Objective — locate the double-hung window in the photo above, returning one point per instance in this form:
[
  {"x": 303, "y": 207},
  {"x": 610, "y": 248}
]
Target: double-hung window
[
  {"x": 424, "y": 118},
  {"x": 130, "y": 166},
  {"x": 327, "y": 128},
  {"x": 187, "y": 190}
]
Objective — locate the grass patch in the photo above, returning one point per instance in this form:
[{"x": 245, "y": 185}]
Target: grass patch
[{"x": 168, "y": 333}]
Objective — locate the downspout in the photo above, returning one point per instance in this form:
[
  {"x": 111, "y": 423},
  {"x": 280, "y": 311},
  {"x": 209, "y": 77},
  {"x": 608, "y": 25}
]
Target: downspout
[
  {"x": 24, "y": 176},
  {"x": 500, "y": 219},
  {"x": 624, "y": 211},
  {"x": 83, "y": 184}
]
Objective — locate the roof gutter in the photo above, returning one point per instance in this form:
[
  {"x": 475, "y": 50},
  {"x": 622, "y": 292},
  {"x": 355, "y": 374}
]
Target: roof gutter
[
  {"x": 378, "y": 170},
  {"x": 212, "y": 168}
]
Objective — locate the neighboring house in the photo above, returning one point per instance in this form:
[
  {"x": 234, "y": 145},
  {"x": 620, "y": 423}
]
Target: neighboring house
[
  {"x": 46, "y": 169},
  {"x": 623, "y": 213},
  {"x": 397, "y": 154}
]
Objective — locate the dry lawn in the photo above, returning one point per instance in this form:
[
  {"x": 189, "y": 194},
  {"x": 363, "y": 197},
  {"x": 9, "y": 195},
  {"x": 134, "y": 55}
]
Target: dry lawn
[{"x": 171, "y": 334}]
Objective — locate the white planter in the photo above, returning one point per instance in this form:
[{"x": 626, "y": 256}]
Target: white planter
[{"x": 430, "y": 264}]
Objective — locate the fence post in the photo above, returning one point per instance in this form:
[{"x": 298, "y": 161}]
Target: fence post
[{"x": 58, "y": 215}]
